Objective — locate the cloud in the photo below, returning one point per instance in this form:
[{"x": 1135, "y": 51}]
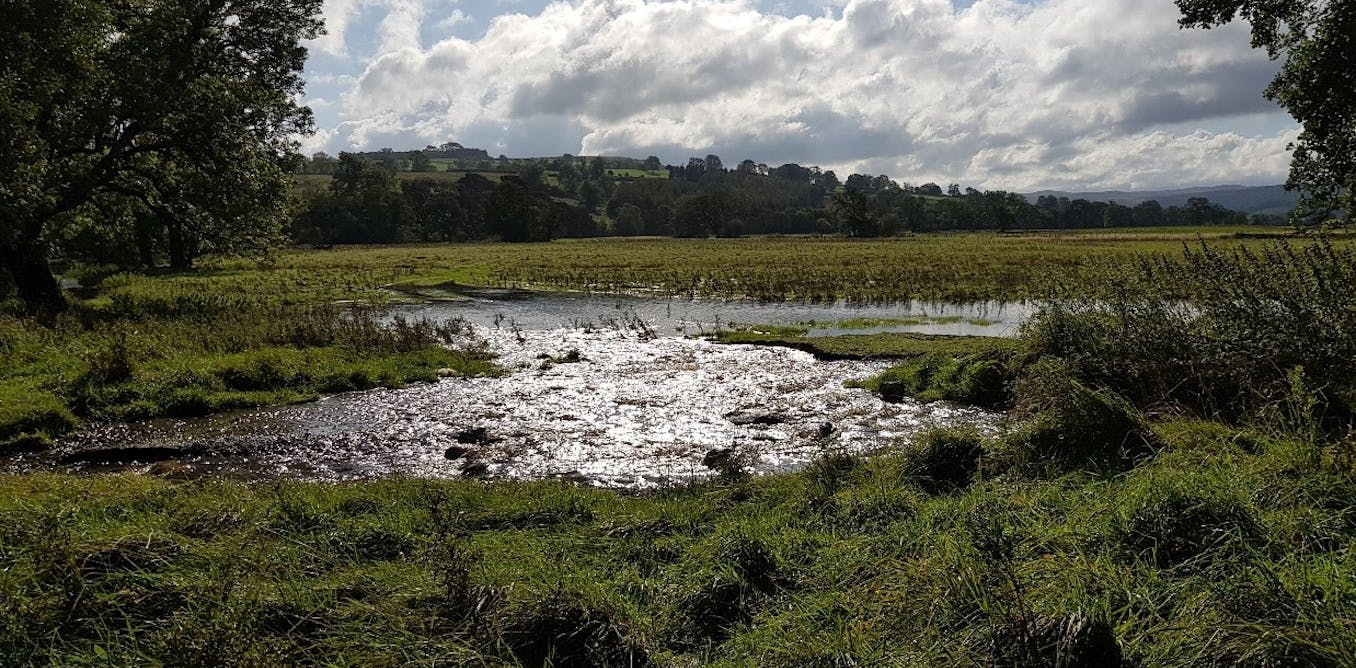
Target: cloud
[{"x": 1058, "y": 93}]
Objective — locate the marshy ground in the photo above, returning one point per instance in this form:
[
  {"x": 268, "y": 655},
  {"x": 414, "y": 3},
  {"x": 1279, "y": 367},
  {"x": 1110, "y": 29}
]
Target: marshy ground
[{"x": 1130, "y": 513}]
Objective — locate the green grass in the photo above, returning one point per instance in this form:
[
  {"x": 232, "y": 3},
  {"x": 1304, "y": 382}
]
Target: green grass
[
  {"x": 153, "y": 363},
  {"x": 944, "y": 267},
  {"x": 874, "y": 323},
  {"x": 1206, "y": 555},
  {"x": 888, "y": 345},
  {"x": 1091, "y": 532},
  {"x": 639, "y": 173}
]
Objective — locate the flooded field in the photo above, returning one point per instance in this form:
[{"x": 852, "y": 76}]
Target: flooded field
[
  {"x": 607, "y": 391},
  {"x": 675, "y": 316}
]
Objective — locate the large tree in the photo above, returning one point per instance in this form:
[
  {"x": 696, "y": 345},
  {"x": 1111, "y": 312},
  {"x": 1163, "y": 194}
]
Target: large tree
[
  {"x": 1316, "y": 84},
  {"x": 185, "y": 109}
]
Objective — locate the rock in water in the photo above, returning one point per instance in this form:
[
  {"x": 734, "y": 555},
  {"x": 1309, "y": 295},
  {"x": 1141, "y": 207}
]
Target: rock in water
[
  {"x": 746, "y": 418},
  {"x": 718, "y": 458},
  {"x": 476, "y": 436}
]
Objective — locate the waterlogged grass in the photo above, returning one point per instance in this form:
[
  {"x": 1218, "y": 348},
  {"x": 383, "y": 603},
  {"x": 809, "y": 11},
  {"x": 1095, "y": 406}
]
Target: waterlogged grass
[
  {"x": 86, "y": 367},
  {"x": 944, "y": 267},
  {"x": 888, "y": 345},
  {"x": 876, "y": 323},
  {"x": 1225, "y": 548}
]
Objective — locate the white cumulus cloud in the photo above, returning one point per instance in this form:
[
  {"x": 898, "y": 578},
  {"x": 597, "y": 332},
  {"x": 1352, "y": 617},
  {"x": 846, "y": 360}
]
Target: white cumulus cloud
[{"x": 1054, "y": 93}]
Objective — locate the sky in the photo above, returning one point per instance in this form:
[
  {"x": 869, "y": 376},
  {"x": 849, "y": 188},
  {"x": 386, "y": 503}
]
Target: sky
[{"x": 994, "y": 94}]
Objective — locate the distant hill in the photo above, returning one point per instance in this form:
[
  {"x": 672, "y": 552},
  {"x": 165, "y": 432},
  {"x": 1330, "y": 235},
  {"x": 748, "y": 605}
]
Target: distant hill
[{"x": 1249, "y": 199}]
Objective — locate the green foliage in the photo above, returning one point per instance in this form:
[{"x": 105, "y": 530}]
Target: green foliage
[
  {"x": 1316, "y": 84},
  {"x": 161, "y": 118}
]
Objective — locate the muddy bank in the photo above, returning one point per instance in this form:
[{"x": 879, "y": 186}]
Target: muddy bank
[{"x": 613, "y": 406}]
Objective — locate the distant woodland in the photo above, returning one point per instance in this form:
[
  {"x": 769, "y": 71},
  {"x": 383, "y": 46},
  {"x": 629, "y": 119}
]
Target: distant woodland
[{"x": 451, "y": 193}]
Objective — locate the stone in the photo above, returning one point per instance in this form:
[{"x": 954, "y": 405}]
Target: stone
[
  {"x": 717, "y": 458},
  {"x": 475, "y": 435},
  {"x": 746, "y": 418}
]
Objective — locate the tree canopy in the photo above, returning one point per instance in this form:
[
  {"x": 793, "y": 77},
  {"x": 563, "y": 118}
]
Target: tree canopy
[
  {"x": 180, "y": 113},
  {"x": 1316, "y": 84}
]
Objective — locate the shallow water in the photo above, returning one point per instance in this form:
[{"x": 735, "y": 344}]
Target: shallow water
[
  {"x": 555, "y": 310},
  {"x": 641, "y": 407}
]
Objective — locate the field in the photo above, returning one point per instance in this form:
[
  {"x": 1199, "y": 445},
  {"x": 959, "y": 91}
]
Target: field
[
  {"x": 442, "y": 176},
  {"x": 1174, "y": 487},
  {"x": 949, "y": 267},
  {"x": 639, "y": 173}
]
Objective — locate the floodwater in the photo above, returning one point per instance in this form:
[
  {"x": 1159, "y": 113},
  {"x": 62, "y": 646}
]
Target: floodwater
[
  {"x": 676, "y": 316},
  {"x": 613, "y": 396}
]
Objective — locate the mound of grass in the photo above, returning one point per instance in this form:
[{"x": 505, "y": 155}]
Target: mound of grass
[
  {"x": 976, "y": 380},
  {"x": 1171, "y": 525},
  {"x": 566, "y": 631},
  {"x": 28, "y": 416},
  {"x": 945, "y": 460},
  {"x": 1067, "y": 424}
]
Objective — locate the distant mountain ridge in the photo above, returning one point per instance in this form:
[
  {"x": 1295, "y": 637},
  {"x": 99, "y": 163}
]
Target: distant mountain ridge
[{"x": 1249, "y": 199}]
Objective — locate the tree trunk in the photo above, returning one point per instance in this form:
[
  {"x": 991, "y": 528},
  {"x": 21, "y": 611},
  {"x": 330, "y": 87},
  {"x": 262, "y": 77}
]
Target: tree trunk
[
  {"x": 180, "y": 258},
  {"x": 145, "y": 243},
  {"x": 33, "y": 280}
]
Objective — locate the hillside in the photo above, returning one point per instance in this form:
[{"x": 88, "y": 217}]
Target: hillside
[{"x": 1249, "y": 199}]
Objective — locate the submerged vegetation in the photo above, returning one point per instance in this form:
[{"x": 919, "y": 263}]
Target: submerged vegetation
[{"x": 954, "y": 267}]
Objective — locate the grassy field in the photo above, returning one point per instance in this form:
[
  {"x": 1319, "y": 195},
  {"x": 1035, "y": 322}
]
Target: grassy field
[
  {"x": 1123, "y": 517},
  {"x": 948, "y": 267},
  {"x": 1228, "y": 548},
  {"x": 639, "y": 173},
  {"x": 442, "y": 176}
]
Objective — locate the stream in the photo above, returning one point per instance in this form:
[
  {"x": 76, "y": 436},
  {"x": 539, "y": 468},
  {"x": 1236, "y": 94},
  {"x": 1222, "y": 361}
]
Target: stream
[{"x": 611, "y": 391}]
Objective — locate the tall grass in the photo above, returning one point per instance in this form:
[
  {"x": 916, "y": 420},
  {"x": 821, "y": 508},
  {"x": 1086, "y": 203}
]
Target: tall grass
[{"x": 1237, "y": 334}]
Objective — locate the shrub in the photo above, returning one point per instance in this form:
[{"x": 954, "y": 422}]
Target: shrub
[{"x": 1217, "y": 332}]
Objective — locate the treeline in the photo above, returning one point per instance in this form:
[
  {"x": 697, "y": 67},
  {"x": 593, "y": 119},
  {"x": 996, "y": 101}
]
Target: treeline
[
  {"x": 365, "y": 203},
  {"x": 570, "y": 196}
]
